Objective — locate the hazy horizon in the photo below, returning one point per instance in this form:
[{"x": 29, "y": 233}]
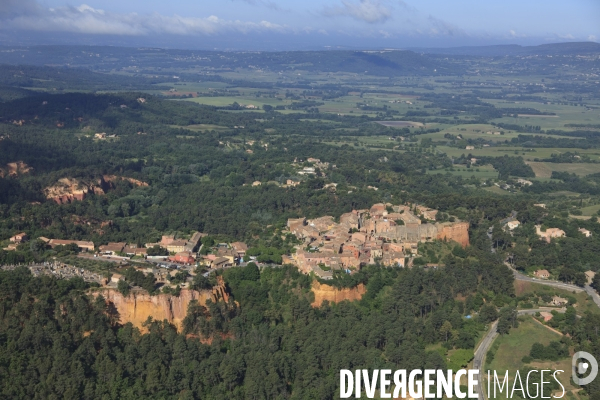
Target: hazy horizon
[{"x": 292, "y": 25}]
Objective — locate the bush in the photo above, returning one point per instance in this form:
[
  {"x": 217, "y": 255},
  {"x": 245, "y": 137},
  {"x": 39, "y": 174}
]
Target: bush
[{"x": 553, "y": 352}]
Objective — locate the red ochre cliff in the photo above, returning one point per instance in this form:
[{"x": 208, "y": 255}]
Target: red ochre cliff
[
  {"x": 139, "y": 305},
  {"x": 324, "y": 292},
  {"x": 458, "y": 231},
  {"x": 67, "y": 190}
]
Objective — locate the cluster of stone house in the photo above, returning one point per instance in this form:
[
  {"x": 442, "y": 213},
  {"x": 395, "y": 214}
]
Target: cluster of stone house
[
  {"x": 225, "y": 255},
  {"x": 315, "y": 164},
  {"x": 549, "y": 233},
  {"x": 510, "y": 223},
  {"x": 176, "y": 245},
  {"x": 16, "y": 240},
  {"x": 585, "y": 232},
  {"x": 81, "y": 244},
  {"x": 183, "y": 251},
  {"x": 544, "y": 274},
  {"x": 385, "y": 233}
]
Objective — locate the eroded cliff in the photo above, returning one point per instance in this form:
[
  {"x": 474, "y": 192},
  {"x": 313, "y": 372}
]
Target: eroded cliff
[
  {"x": 67, "y": 190},
  {"x": 14, "y": 169},
  {"x": 458, "y": 232},
  {"x": 333, "y": 295},
  {"x": 139, "y": 305}
]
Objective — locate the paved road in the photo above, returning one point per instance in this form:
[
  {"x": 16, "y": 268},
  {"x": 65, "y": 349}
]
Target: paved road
[
  {"x": 593, "y": 294},
  {"x": 486, "y": 343},
  {"x": 561, "y": 285},
  {"x": 480, "y": 353}
]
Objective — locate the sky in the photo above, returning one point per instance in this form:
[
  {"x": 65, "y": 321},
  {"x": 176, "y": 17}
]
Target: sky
[{"x": 294, "y": 25}]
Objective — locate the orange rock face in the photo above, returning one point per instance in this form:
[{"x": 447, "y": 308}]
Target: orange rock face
[
  {"x": 138, "y": 306},
  {"x": 67, "y": 190},
  {"x": 14, "y": 169},
  {"x": 458, "y": 232},
  {"x": 334, "y": 295}
]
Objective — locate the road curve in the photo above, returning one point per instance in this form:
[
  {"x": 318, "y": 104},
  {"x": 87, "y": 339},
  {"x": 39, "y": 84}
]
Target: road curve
[
  {"x": 561, "y": 285},
  {"x": 486, "y": 343}
]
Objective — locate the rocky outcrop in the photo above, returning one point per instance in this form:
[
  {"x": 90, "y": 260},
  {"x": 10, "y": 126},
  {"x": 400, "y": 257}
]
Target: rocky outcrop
[
  {"x": 458, "y": 232},
  {"x": 14, "y": 169},
  {"x": 139, "y": 305},
  {"x": 67, "y": 190},
  {"x": 324, "y": 292}
]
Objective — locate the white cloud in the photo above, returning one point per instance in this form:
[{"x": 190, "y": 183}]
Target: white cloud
[
  {"x": 88, "y": 20},
  {"x": 568, "y": 36},
  {"x": 513, "y": 34},
  {"x": 592, "y": 38},
  {"x": 371, "y": 11}
]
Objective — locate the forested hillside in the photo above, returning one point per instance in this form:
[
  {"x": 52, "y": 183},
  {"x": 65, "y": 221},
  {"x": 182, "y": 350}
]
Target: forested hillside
[{"x": 56, "y": 342}]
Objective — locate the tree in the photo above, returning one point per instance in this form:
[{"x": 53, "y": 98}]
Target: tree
[
  {"x": 445, "y": 330},
  {"x": 123, "y": 287},
  {"x": 507, "y": 319},
  {"x": 571, "y": 275},
  {"x": 200, "y": 282},
  {"x": 596, "y": 282},
  {"x": 37, "y": 246},
  {"x": 488, "y": 313},
  {"x": 157, "y": 250}
]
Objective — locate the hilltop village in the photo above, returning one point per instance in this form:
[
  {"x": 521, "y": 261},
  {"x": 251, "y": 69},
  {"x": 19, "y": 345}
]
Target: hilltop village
[{"x": 385, "y": 233}]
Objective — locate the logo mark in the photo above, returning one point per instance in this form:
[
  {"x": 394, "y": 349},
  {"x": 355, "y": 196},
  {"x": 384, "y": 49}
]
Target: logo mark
[{"x": 581, "y": 367}]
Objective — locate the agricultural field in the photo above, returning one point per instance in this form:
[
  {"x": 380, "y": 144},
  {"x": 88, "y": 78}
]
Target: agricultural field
[
  {"x": 590, "y": 210},
  {"x": 486, "y": 132},
  {"x": 564, "y": 114},
  {"x": 482, "y": 172},
  {"x": 202, "y": 127},
  {"x": 528, "y": 154},
  {"x": 509, "y": 350},
  {"x": 544, "y": 169}
]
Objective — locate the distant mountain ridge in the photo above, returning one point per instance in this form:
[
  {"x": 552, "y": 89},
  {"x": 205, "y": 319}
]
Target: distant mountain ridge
[
  {"x": 92, "y": 67},
  {"x": 517, "y": 50}
]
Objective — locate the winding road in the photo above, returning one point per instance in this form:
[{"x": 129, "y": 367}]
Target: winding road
[
  {"x": 486, "y": 343},
  {"x": 560, "y": 285}
]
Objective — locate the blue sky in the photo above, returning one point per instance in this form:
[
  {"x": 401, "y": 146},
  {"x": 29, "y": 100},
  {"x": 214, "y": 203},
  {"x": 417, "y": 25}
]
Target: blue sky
[{"x": 303, "y": 24}]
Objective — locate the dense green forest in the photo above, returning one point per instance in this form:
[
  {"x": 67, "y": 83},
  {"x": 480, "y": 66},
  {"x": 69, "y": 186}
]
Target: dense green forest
[{"x": 56, "y": 342}]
